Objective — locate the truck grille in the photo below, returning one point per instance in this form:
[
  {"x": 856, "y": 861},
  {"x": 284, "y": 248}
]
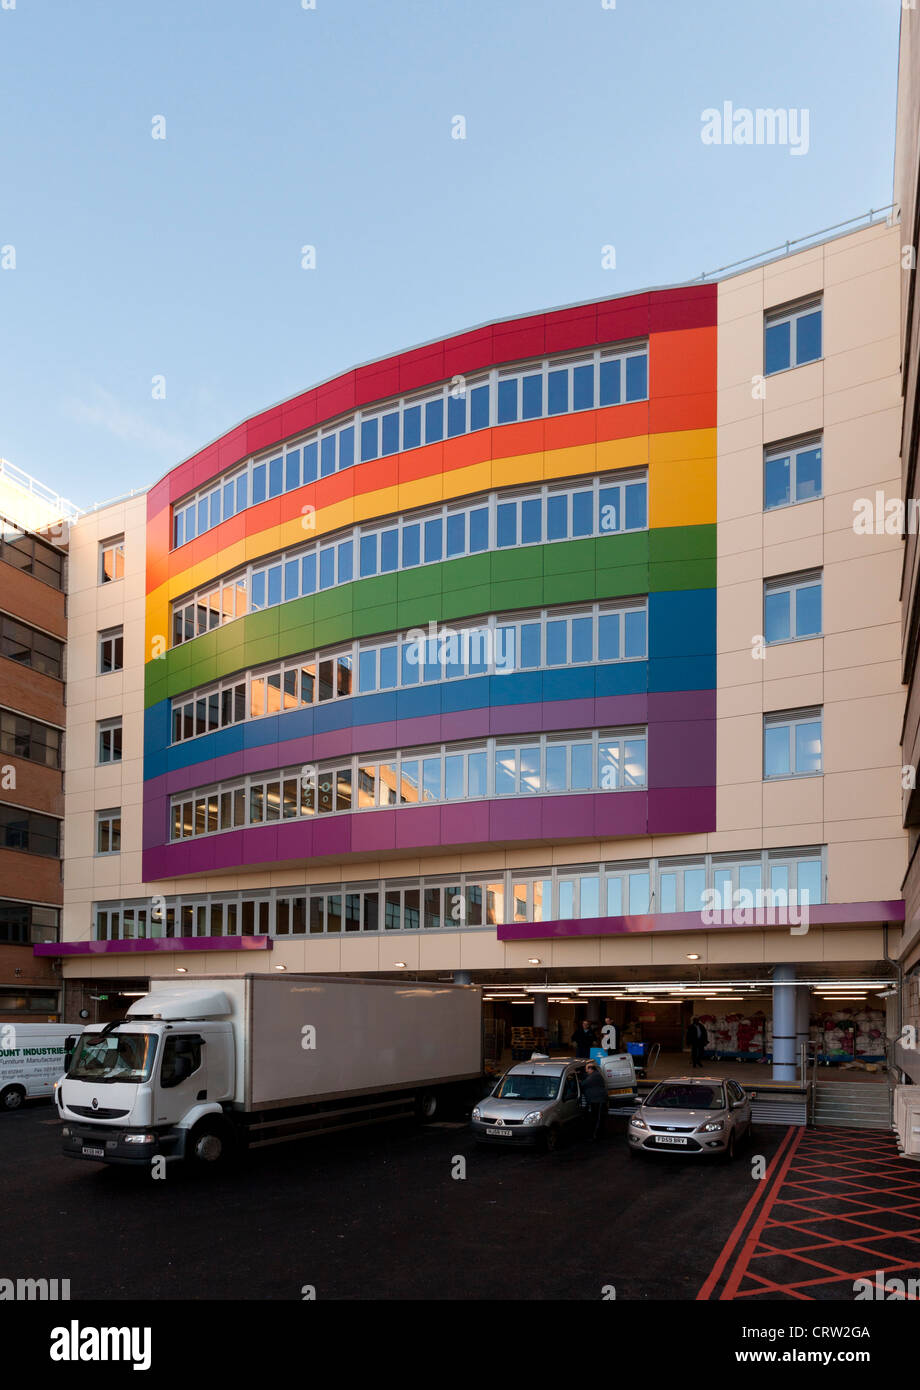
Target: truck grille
[{"x": 101, "y": 1113}]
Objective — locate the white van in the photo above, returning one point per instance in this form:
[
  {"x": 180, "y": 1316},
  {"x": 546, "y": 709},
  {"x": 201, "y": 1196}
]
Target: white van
[{"x": 32, "y": 1057}]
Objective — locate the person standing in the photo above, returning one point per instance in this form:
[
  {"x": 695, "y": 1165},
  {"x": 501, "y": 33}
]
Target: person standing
[
  {"x": 594, "y": 1090},
  {"x": 697, "y": 1037},
  {"x": 584, "y": 1039}
]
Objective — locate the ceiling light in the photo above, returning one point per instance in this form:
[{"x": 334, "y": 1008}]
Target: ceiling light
[
  {"x": 399, "y": 964},
  {"x": 534, "y": 960},
  {"x": 182, "y": 969},
  {"x": 693, "y": 958},
  {"x": 281, "y": 967}
]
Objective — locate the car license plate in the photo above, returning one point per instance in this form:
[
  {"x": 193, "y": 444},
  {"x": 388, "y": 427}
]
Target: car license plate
[
  {"x": 620, "y": 1091},
  {"x": 501, "y": 1133},
  {"x": 93, "y": 1153},
  {"x": 671, "y": 1139}
]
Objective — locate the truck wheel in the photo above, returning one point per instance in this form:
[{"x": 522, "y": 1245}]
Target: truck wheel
[
  {"x": 209, "y": 1145},
  {"x": 12, "y": 1097},
  {"x": 428, "y": 1106}
]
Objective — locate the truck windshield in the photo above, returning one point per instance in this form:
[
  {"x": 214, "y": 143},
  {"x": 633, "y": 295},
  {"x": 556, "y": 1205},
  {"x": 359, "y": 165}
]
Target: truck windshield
[
  {"x": 115, "y": 1057},
  {"x": 513, "y": 1087}
]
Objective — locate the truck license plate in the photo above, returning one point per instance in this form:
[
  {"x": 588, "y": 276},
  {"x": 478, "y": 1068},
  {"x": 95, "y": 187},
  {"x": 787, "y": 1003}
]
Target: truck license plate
[
  {"x": 620, "y": 1091},
  {"x": 499, "y": 1133},
  {"x": 671, "y": 1139},
  {"x": 93, "y": 1153}
]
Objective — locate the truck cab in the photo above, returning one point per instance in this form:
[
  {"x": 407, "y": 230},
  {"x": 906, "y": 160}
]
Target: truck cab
[{"x": 146, "y": 1086}]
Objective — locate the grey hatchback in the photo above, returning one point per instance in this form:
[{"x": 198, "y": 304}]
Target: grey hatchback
[
  {"x": 692, "y": 1115},
  {"x": 534, "y": 1103}
]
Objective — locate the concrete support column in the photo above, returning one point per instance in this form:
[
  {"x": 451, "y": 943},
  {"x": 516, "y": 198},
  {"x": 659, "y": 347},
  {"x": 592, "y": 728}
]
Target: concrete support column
[
  {"x": 802, "y": 1012},
  {"x": 540, "y": 1011},
  {"x": 595, "y": 1010},
  {"x": 784, "y": 992}
]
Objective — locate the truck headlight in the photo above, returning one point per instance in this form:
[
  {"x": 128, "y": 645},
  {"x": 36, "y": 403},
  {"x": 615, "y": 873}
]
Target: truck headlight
[
  {"x": 476, "y": 1115},
  {"x": 534, "y": 1118},
  {"x": 637, "y": 1123},
  {"x": 140, "y": 1138},
  {"x": 711, "y": 1125}
]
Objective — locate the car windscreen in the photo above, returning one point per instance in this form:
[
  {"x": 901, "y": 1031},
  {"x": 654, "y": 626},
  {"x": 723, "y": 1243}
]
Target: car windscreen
[
  {"x": 673, "y": 1096},
  {"x": 513, "y": 1087},
  {"x": 113, "y": 1057}
]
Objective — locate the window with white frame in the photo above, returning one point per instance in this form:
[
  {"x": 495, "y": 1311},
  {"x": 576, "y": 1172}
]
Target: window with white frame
[
  {"x": 112, "y": 560},
  {"x": 599, "y": 377},
  {"x": 591, "y": 507},
  {"x": 792, "y": 743},
  {"x": 501, "y": 644},
  {"x": 792, "y": 607},
  {"x": 792, "y": 336},
  {"x": 108, "y": 831},
  {"x": 481, "y": 899},
  {"x": 791, "y": 473},
  {"x": 111, "y": 650},
  {"x": 108, "y": 748},
  {"x": 543, "y": 764}
]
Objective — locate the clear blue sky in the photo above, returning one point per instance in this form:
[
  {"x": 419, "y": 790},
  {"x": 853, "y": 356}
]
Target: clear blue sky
[{"x": 332, "y": 127}]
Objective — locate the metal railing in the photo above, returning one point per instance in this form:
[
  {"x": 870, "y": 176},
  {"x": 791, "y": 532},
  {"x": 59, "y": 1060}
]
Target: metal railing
[
  {"x": 65, "y": 509},
  {"x": 873, "y": 216}
]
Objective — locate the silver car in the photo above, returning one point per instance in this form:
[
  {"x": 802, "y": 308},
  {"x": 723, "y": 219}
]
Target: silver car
[
  {"x": 534, "y": 1103},
  {"x": 701, "y": 1115}
]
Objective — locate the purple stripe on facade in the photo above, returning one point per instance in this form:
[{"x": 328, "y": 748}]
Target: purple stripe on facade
[
  {"x": 145, "y": 945},
  {"x": 823, "y": 915},
  {"x": 605, "y": 711},
  {"x": 521, "y": 819}
]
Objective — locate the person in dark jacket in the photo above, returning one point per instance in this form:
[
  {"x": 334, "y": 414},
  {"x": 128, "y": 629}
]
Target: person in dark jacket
[
  {"x": 584, "y": 1039},
  {"x": 594, "y": 1090},
  {"x": 697, "y": 1037}
]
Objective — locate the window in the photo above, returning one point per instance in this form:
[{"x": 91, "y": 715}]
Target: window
[
  {"x": 792, "y": 744},
  {"x": 600, "y": 377},
  {"x": 791, "y": 474},
  {"x": 108, "y": 831},
  {"x": 792, "y": 337},
  {"x": 26, "y": 738},
  {"x": 597, "y": 506},
  {"x": 109, "y": 745},
  {"x": 112, "y": 560},
  {"x": 31, "y": 555},
  {"x": 479, "y": 900},
  {"x": 111, "y": 650},
  {"x": 541, "y": 764},
  {"x": 29, "y": 647},
  {"x": 24, "y": 924},
  {"x": 792, "y": 607},
  {"x": 29, "y": 832}
]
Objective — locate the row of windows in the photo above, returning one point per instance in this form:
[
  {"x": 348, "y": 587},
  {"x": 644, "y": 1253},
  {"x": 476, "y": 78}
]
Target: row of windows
[
  {"x": 499, "y": 397},
  {"x": 24, "y": 924},
  {"x": 542, "y": 764},
  {"x": 28, "y": 646},
  {"x": 497, "y": 521},
  {"x": 30, "y": 832},
  {"x": 27, "y": 553},
  {"x": 485, "y": 899},
  {"x": 542, "y": 640},
  {"x": 22, "y": 737}
]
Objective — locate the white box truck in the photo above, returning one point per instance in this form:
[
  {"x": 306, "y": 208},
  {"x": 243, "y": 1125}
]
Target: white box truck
[
  {"x": 32, "y": 1057},
  {"x": 199, "y": 1069}
]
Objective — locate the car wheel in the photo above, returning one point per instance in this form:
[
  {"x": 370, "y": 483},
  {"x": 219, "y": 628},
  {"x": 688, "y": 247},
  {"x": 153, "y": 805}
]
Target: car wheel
[
  {"x": 552, "y": 1139},
  {"x": 12, "y": 1097}
]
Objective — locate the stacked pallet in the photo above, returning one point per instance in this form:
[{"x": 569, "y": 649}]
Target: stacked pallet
[{"x": 524, "y": 1041}]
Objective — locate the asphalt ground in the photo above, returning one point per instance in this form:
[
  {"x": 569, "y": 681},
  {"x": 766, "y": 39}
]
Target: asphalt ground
[{"x": 375, "y": 1214}]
